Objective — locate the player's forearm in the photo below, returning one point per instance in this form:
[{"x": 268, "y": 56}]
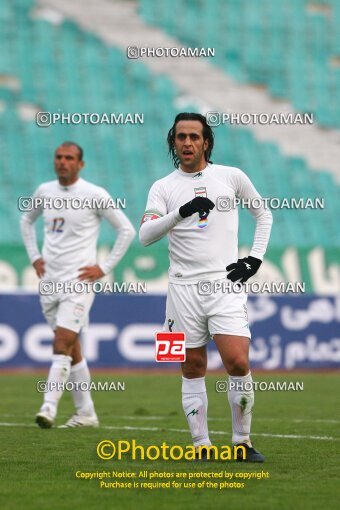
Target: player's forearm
[
  {"x": 264, "y": 221},
  {"x": 29, "y": 238},
  {"x": 125, "y": 236},
  {"x": 153, "y": 230}
]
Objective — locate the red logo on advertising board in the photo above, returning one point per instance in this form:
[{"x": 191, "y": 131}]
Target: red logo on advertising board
[{"x": 170, "y": 346}]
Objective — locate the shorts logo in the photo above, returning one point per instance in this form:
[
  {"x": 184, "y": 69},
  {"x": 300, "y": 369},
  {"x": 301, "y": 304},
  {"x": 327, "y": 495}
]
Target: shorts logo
[
  {"x": 78, "y": 310},
  {"x": 246, "y": 313},
  {"x": 170, "y": 324},
  {"x": 170, "y": 347}
]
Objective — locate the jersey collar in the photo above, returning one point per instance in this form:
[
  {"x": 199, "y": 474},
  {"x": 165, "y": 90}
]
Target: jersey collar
[
  {"x": 195, "y": 175},
  {"x": 71, "y": 186}
]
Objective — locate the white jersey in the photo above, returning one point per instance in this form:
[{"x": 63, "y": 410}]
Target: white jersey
[
  {"x": 202, "y": 248},
  {"x": 71, "y": 233}
]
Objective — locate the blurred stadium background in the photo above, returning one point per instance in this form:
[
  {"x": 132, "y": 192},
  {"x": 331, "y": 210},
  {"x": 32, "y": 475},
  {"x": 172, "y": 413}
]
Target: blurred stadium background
[{"x": 270, "y": 56}]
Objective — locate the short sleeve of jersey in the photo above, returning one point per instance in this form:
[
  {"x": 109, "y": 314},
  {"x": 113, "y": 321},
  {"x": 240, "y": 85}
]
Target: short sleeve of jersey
[{"x": 156, "y": 203}]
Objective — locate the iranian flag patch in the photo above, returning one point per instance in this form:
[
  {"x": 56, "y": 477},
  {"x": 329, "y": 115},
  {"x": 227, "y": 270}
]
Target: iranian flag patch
[
  {"x": 150, "y": 215},
  {"x": 201, "y": 192}
]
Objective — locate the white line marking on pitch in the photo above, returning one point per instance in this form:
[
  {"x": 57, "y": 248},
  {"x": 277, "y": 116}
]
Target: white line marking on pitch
[
  {"x": 17, "y": 425},
  {"x": 185, "y": 431},
  {"x": 137, "y": 417},
  {"x": 150, "y": 418},
  {"x": 223, "y": 432}
]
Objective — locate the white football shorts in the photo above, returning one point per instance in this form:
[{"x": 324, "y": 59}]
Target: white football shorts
[
  {"x": 67, "y": 310},
  {"x": 201, "y": 315}
]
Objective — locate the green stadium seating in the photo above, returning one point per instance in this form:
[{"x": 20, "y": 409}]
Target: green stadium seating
[{"x": 285, "y": 45}]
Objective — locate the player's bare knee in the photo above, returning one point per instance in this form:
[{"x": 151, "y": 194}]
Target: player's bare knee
[
  {"x": 239, "y": 365},
  {"x": 194, "y": 366},
  {"x": 64, "y": 342}
]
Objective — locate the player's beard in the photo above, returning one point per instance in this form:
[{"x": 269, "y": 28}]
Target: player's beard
[{"x": 195, "y": 162}]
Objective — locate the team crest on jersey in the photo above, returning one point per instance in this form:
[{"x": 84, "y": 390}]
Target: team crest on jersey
[
  {"x": 150, "y": 215},
  {"x": 201, "y": 192}
]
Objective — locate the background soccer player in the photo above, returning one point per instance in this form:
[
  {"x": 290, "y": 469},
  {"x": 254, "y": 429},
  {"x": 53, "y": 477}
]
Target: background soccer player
[
  {"x": 203, "y": 244},
  {"x": 69, "y": 254}
]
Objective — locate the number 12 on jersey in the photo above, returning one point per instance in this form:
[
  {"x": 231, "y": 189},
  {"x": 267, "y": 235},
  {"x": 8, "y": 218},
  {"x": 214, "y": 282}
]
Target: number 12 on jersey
[{"x": 57, "y": 225}]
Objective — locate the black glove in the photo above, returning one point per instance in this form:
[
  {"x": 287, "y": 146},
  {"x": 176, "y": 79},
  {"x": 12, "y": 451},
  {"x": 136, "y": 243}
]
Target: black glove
[
  {"x": 202, "y": 205},
  {"x": 243, "y": 268}
]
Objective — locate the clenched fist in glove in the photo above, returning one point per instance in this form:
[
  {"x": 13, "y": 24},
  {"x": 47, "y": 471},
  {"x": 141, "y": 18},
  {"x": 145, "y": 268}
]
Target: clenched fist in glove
[
  {"x": 202, "y": 205},
  {"x": 243, "y": 269}
]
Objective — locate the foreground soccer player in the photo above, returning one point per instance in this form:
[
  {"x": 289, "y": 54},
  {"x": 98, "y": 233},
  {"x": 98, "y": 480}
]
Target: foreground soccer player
[
  {"x": 69, "y": 255},
  {"x": 190, "y": 205}
]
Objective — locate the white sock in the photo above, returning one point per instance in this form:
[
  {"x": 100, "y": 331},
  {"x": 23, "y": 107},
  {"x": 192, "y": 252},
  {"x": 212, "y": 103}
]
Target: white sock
[
  {"x": 57, "y": 376},
  {"x": 241, "y": 400},
  {"x": 195, "y": 406},
  {"x": 82, "y": 398}
]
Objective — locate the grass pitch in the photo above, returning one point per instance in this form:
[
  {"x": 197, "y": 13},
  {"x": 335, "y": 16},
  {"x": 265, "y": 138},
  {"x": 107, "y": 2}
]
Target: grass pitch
[{"x": 299, "y": 432}]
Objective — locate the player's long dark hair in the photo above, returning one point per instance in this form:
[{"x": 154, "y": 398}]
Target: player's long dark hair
[{"x": 207, "y": 135}]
